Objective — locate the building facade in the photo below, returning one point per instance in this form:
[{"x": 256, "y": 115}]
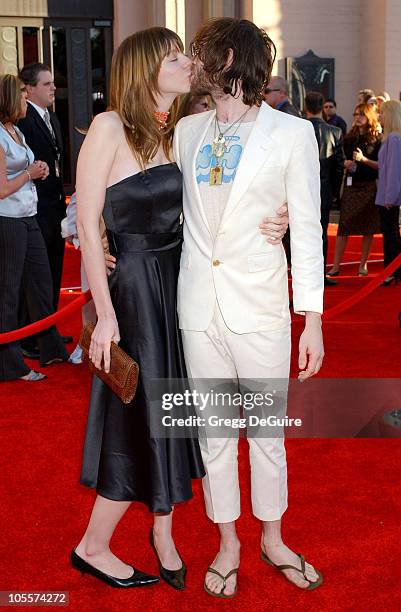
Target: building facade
[{"x": 76, "y": 38}]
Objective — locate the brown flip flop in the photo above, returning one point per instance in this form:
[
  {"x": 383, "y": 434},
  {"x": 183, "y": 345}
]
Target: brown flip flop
[
  {"x": 224, "y": 579},
  {"x": 312, "y": 585}
]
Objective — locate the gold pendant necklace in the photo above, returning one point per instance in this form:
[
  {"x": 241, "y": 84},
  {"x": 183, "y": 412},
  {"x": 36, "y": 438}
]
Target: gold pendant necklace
[{"x": 219, "y": 148}]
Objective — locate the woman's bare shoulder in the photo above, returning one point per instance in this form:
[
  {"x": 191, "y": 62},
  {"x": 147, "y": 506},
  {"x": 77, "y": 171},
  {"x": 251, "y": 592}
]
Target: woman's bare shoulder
[{"x": 108, "y": 123}]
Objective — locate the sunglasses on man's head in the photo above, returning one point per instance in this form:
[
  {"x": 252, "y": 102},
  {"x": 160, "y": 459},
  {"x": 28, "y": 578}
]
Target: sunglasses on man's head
[{"x": 270, "y": 89}]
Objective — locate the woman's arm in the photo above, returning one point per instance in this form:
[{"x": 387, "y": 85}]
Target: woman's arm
[
  {"x": 8, "y": 187},
  {"x": 391, "y": 171},
  {"x": 94, "y": 164},
  {"x": 360, "y": 157}
]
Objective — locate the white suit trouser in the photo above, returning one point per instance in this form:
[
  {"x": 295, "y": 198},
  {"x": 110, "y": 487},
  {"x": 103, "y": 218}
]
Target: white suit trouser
[{"x": 220, "y": 353}]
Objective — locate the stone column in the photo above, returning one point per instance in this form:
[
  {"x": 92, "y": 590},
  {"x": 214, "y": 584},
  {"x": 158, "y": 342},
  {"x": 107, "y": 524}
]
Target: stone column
[
  {"x": 392, "y": 81},
  {"x": 129, "y": 17},
  {"x": 380, "y": 46}
]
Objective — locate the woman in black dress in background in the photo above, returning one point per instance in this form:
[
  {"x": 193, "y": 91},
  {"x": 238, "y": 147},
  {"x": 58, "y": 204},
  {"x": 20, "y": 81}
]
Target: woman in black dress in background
[
  {"x": 359, "y": 215},
  {"x": 125, "y": 171}
]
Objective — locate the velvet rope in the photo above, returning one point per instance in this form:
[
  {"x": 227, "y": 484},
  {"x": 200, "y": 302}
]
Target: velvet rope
[
  {"x": 66, "y": 311},
  {"x": 42, "y": 324},
  {"x": 362, "y": 293}
]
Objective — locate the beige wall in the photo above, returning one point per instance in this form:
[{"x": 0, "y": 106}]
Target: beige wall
[
  {"x": 373, "y": 43},
  {"x": 23, "y": 8},
  {"x": 364, "y": 36},
  {"x": 392, "y": 82},
  {"x": 330, "y": 29},
  {"x": 129, "y": 17}
]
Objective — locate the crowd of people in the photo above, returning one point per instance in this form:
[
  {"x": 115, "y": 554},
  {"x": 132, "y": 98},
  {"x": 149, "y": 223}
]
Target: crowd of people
[{"x": 360, "y": 169}]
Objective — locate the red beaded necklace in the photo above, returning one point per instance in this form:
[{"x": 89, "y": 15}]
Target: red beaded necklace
[{"x": 161, "y": 118}]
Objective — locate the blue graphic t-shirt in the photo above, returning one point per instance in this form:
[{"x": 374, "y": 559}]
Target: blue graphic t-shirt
[{"x": 214, "y": 197}]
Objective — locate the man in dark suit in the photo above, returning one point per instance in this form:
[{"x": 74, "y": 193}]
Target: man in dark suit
[
  {"x": 331, "y": 155},
  {"x": 276, "y": 95},
  {"x": 42, "y": 132}
]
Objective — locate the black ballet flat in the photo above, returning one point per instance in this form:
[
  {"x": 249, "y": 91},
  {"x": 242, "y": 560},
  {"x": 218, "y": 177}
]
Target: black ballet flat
[
  {"x": 174, "y": 578},
  {"x": 138, "y": 578}
]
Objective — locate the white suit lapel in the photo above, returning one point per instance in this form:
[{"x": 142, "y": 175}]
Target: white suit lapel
[
  {"x": 195, "y": 141},
  {"x": 257, "y": 150}
]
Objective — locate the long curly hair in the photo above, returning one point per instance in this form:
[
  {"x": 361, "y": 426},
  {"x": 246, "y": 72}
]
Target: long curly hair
[
  {"x": 252, "y": 62},
  {"x": 133, "y": 84},
  {"x": 371, "y": 129}
]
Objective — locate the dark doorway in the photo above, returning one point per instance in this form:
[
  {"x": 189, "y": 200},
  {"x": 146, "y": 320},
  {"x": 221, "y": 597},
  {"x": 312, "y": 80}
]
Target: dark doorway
[{"x": 80, "y": 55}]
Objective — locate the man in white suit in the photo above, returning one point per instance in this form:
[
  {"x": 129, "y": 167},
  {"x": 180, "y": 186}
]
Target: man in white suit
[{"x": 240, "y": 163}]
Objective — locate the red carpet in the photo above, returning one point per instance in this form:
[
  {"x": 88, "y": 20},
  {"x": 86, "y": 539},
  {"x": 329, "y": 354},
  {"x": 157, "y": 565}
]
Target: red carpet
[{"x": 344, "y": 494}]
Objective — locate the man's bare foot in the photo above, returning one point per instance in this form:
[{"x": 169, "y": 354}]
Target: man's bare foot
[
  {"x": 280, "y": 554},
  {"x": 166, "y": 551},
  {"x": 106, "y": 562},
  {"x": 227, "y": 559}
]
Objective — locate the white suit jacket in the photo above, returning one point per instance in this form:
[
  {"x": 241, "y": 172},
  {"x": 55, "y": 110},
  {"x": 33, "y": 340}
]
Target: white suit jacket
[{"x": 248, "y": 276}]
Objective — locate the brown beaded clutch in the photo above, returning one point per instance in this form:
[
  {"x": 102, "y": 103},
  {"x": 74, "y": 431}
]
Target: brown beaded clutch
[{"x": 123, "y": 376}]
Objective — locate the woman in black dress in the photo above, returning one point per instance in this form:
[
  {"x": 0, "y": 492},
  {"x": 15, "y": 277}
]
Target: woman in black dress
[
  {"x": 126, "y": 172},
  {"x": 358, "y": 214}
]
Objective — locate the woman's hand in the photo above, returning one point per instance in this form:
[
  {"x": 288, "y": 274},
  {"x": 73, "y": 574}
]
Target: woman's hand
[
  {"x": 110, "y": 262},
  {"x": 311, "y": 350},
  {"x": 38, "y": 170},
  {"x": 106, "y": 330},
  {"x": 275, "y": 227},
  {"x": 45, "y": 168},
  {"x": 358, "y": 156}
]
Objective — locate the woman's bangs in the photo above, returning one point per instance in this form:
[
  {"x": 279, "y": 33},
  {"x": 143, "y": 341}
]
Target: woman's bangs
[{"x": 172, "y": 42}]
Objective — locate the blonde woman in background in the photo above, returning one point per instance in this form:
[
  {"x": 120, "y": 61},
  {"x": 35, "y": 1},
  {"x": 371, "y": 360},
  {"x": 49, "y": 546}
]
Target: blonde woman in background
[{"x": 388, "y": 197}]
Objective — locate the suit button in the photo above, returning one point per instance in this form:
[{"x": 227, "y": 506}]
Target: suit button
[{"x": 216, "y": 262}]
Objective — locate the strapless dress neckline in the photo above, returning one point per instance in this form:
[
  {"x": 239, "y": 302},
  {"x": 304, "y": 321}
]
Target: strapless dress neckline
[{"x": 132, "y": 176}]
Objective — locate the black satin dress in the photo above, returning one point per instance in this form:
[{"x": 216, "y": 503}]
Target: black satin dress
[{"x": 121, "y": 459}]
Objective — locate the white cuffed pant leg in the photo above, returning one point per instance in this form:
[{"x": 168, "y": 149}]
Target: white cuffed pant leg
[{"x": 220, "y": 353}]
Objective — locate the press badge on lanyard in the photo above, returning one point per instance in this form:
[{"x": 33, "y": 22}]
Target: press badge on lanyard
[{"x": 349, "y": 181}]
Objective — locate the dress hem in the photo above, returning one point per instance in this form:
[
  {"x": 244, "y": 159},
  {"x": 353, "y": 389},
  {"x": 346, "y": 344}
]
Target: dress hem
[{"x": 142, "y": 501}]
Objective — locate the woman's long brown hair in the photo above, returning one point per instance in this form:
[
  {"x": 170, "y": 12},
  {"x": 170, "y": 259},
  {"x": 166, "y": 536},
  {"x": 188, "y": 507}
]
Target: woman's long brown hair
[
  {"x": 372, "y": 128},
  {"x": 133, "y": 85}
]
